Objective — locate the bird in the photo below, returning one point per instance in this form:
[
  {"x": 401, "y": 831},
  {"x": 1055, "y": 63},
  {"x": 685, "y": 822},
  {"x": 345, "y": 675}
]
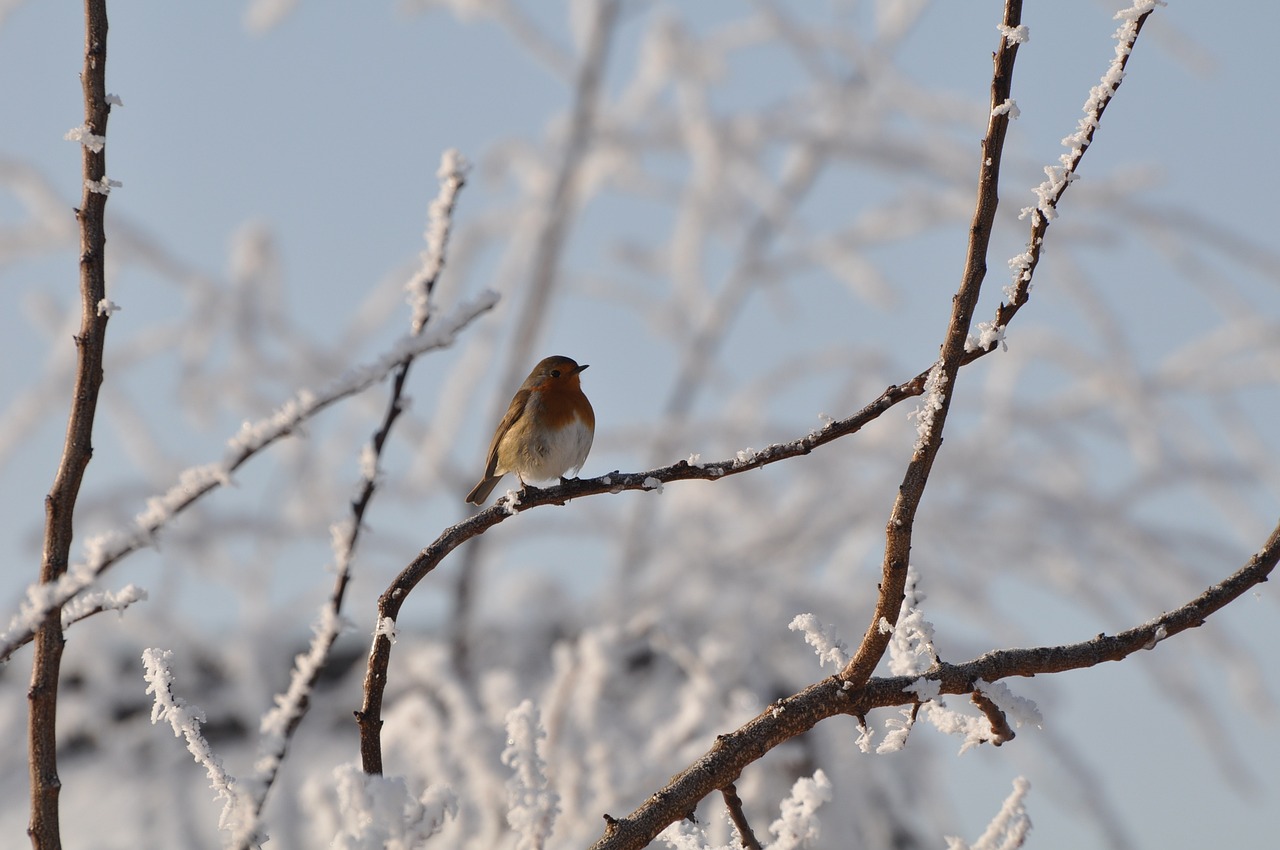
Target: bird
[{"x": 546, "y": 432}]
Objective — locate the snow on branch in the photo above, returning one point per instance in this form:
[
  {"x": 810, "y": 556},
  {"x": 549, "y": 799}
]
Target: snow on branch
[
  {"x": 825, "y": 640},
  {"x": 1059, "y": 176},
  {"x": 797, "y": 714},
  {"x": 88, "y": 604},
  {"x": 532, "y": 805},
  {"x": 186, "y": 722},
  {"x": 453, "y": 176},
  {"x": 911, "y": 650},
  {"x": 1008, "y": 829},
  {"x": 797, "y": 824},
  {"x": 105, "y": 550},
  {"x": 377, "y": 812}
]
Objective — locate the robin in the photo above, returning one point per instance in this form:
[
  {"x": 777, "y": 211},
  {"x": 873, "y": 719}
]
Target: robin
[{"x": 547, "y": 430}]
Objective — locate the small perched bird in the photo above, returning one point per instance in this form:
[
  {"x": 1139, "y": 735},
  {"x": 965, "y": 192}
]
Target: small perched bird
[{"x": 547, "y": 430}]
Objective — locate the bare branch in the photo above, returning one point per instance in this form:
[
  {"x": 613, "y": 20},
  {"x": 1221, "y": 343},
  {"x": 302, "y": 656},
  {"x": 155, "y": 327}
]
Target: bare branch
[
  {"x": 942, "y": 379},
  {"x": 734, "y": 803},
  {"x": 44, "y": 828},
  {"x": 794, "y": 715}
]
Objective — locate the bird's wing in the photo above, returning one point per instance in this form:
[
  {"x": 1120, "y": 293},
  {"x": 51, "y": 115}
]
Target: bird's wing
[{"x": 514, "y": 411}]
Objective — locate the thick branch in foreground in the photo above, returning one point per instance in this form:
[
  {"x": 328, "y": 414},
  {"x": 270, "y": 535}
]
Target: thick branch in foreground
[
  {"x": 60, "y": 504},
  {"x": 797, "y": 714}
]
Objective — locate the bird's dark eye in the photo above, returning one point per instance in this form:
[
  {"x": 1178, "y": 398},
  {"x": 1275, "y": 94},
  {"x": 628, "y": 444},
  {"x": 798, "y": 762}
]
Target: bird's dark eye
[{"x": 555, "y": 373}]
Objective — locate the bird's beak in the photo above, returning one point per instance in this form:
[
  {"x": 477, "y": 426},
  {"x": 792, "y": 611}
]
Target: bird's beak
[{"x": 580, "y": 368}]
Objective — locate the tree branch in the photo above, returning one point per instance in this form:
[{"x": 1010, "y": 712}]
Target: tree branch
[
  {"x": 370, "y": 713},
  {"x": 933, "y": 414},
  {"x": 739, "y": 817},
  {"x": 44, "y": 828},
  {"x": 794, "y": 715}
]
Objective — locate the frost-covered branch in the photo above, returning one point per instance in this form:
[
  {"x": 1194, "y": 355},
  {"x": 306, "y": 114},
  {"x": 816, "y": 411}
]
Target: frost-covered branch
[
  {"x": 797, "y": 714},
  {"x": 1059, "y": 177},
  {"x": 186, "y": 722},
  {"x": 280, "y": 723},
  {"x": 1008, "y": 829},
  {"x": 104, "y": 551},
  {"x": 532, "y": 804}
]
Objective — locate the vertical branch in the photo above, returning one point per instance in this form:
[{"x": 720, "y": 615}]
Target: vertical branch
[
  {"x": 78, "y": 448},
  {"x": 933, "y": 414}
]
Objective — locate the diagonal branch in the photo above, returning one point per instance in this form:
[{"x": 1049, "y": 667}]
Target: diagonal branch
[
  {"x": 941, "y": 383},
  {"x": 1049, "y": 193}
]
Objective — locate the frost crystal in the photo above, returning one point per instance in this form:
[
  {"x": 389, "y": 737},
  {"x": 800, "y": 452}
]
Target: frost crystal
[
  {"x": 103, "y": 186},
  {"x": 988, "y": 333},
  {"x": 1009, "y": 107},
  {"x": 1015, "y": 35},
  {"x": 82, "y": 135},
  {"x": 1018, "y": 709},
  {"x": 798, "y": 826},
  {"x": 930, "y": 404},
  {"x": 824, "y": 640},
  {"x": 1008, "y": 829}
]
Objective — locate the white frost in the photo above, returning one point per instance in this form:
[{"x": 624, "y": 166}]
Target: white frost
[
  {"x": 1008, "y": 829},
  {"x": 1015, "y": 35},
  {"x": 378, "y": 812},
  {"x": 90, "y": 140},
  {"x": 1009, "y": 107},
  {"x": 825, "y": 641},
  {"x": 452, "y": 175},
  {"x": 532, "y": 805},
  {"x": 932, "y": 401},
  {"x": 1018, "y": 709},
  {"x": 797, "y": 826}
]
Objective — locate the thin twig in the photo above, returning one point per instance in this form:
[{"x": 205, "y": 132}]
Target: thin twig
[
  {"x": 44, "y": 828},
  {"x": 1001, "y": 731},
  {"x": 739, "y": 817},
  {"x": 1060, "y": 177}
]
